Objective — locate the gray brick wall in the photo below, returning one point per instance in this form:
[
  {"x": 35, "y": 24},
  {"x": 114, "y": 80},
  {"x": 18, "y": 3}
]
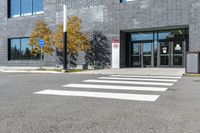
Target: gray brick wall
[
  {"x": 108, "y": 16},
  {"x": 3, "y": 28},
  {"x": 194, "y": 25},
  {"x": 142, "y": 14},
  {"x": 77, "y": 4}
]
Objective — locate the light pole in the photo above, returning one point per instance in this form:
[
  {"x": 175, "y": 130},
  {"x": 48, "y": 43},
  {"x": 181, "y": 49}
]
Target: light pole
[{"x": 65, "y": 36}]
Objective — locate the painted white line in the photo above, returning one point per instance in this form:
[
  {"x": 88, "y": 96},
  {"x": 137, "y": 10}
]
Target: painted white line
[
  {"x": 112, "y": 87},
  {"x": 139, "y": 79},
  {"x": 129, "y": 82},
  {"x": 121, "y": 96},
  {"x": 164, "y": 77}
]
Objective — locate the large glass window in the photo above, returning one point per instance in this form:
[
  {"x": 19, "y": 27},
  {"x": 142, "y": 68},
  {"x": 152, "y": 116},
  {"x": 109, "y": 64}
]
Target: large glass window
[
  {"x": 174, "y": 34},
  {"x": 19, "y": 8},
  {"x": 141, "y": 36},
  {"x": 15, "y": 8},
  {"x": 123, "y": 1},
  {"x": 26, "y": 7},
  {"x": 37, "y": 6},
  {"x": 14, "y": 49},
  {"x": 25, "y": 49},
  {"x": 19, "y": 49}
]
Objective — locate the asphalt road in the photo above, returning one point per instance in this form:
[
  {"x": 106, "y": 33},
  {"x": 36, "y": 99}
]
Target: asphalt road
[{"x": 177, "y": 110}]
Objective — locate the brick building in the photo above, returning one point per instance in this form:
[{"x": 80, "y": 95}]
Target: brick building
[{"x": 152, "y": 33}]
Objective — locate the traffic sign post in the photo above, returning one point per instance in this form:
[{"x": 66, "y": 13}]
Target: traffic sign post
[{"x": 41, "y": 43}]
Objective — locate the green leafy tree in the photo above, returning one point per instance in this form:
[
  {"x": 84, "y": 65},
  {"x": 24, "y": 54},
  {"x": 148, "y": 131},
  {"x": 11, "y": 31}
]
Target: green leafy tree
[{"x": 99, "y": 56}]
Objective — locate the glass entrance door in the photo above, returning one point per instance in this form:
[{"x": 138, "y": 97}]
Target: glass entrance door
[
  {"x": 178, "y": 49},
  {"x": 165, "y": 53},
  {"x": 147, "y": 54},
  {"x": 172, "y": 53},
  {"x": 142, "y": 54},
  {"x": 136, "y": 55}
]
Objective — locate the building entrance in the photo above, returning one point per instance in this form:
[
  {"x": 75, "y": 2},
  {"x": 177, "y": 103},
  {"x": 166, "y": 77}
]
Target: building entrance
[
  {"x": 158, "y": 48},
  {"x": 172, "y": 53},
  {"x": 142, "y": 54}
]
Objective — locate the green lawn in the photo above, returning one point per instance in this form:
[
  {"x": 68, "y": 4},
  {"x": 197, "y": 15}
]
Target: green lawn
[{"x": 191, "y": 75}]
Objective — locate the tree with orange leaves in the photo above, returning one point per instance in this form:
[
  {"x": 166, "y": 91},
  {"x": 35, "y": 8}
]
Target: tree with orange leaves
[
  {"x": 41, "y": 31},
  {"x": 76, "y": 40}
]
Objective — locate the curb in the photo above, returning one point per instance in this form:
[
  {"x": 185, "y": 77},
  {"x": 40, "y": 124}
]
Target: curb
[{"x": 30, "y": 71}]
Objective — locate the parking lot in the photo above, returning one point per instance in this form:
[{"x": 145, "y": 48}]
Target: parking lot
[{"x": 100, "y": 103}]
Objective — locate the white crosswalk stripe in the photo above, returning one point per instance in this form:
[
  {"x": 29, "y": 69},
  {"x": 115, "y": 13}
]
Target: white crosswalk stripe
[
  {"x": 129, "y": 82},
  {"x": 112, "y": 87},
  {"x": 139, "y": 79},
  {"x": 124, "y": 96},
  {"x": 139, "y": 76},
  {"x": 156, "y": 84}
]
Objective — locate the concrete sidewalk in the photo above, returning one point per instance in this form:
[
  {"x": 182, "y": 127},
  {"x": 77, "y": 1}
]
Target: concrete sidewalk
[
  {"x": 23, "y": 68},
  {"x": 126, "y": 71},
  {"x": 139, "y": 71},
  {"x": 19, "y": 69}
]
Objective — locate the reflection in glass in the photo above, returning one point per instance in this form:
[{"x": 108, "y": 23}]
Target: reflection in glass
[
  {"x": 19, "y": 49},
  {"x": 147, "y": 61},
  {"x": 155, "y": 50},
  {"x": 164, "y": 60},
  {"x": 37, "y": 6},
  {"x": 25, "y": 49},
  {"x": 15, "y": 49},
  {"x": 123, "y": 1},
  {"x": 165, "y": 35},
  {"x": 19, "y": 8},
  {"x": 15, "y": 8},
  {"x": 136, "y": 61},
  {"x": 147, "y": 48},
  {"x": 136, "y": 49},
  {"x": 178, "y": 60},
  {"x": 147, "y": 51},
  {"x": 26, "y": 7},
  {"x": 136, "y": 54},
  {"x": 141, "y": 36}
]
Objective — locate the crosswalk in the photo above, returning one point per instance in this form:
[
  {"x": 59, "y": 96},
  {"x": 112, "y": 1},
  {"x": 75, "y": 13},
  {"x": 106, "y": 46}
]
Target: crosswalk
[{"x": 151, "y": 87}]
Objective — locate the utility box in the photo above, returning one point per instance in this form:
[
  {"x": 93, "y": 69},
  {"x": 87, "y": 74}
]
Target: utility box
[{"x": 193, "y": 62}]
